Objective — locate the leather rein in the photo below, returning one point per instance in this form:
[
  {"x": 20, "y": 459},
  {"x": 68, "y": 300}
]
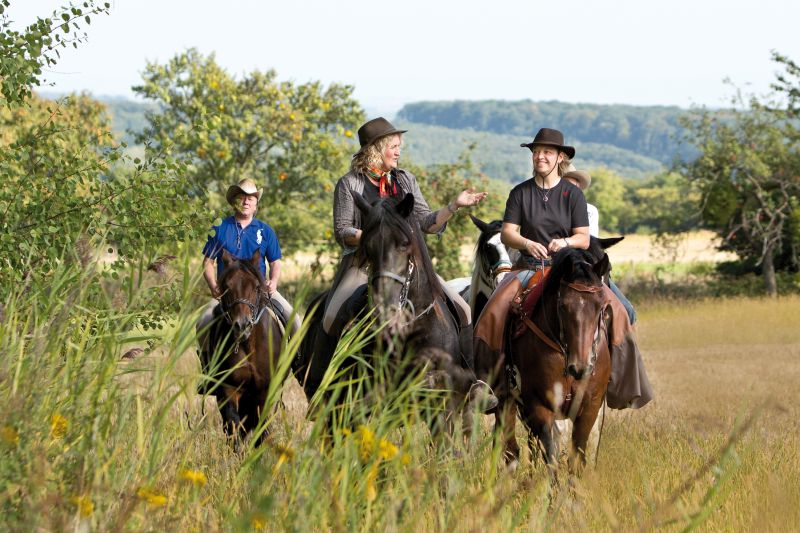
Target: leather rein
[{"x": 560, "y": 344}]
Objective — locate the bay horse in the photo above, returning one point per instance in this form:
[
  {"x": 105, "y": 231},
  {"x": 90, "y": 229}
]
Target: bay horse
[
  {"x": 419, "y": 333},
  {"x": 244, "y": 346},
  {"x": 558, "y": 363}
]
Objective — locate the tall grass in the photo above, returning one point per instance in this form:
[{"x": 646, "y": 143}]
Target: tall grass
[{"x": 91, "y": 441}]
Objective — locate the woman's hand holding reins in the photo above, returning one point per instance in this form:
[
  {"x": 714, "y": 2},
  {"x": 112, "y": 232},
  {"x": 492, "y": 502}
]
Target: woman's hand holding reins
[{"x": 537, "y": 251}]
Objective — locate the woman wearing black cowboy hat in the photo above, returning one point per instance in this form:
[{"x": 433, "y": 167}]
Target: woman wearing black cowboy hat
[{"x": 374, "y": 174}]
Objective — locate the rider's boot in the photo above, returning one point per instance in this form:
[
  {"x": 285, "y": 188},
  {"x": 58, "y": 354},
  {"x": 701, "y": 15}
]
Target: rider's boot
[{"x": 480, "y": 393}]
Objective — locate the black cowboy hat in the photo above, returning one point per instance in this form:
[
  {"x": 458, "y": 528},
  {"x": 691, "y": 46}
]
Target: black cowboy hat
[
  {"x": 373, "y": 130},
  {"x": 551, "y": 137}
]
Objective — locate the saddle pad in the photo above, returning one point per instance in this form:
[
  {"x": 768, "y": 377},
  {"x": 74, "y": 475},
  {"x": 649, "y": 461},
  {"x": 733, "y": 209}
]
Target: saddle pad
[{"x": 523, "y": 303}]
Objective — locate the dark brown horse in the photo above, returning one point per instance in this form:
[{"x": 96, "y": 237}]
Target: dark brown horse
[
  {"x": 245, "y": 342},
  {"x": 558, "y": 360},
  {"x": 419, "y": 333}
]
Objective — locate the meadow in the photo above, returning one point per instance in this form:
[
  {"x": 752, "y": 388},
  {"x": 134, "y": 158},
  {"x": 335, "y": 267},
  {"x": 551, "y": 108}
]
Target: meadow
[{"x": 95, "y": 441}]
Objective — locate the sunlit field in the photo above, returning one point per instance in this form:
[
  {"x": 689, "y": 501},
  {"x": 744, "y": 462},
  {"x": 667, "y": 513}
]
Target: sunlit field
[{"x": 92, "y": 441}]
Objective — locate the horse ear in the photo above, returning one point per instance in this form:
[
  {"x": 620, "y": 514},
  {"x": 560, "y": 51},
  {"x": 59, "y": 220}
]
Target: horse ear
[
  {"x": 406, "y": 205},
  {"x": 361, "y": 203},
  {"x": 602, "y": 267},
  {"x": 256, "y": 259},
  {"x": 609, "y": 242},
  {"x": 480, "y": 224},
  {"x": 227, "y": 258}
]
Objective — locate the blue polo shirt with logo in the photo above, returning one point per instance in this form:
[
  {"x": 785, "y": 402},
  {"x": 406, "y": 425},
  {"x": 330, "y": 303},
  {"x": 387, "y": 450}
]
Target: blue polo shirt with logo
[{"x": 243, "y": 242}]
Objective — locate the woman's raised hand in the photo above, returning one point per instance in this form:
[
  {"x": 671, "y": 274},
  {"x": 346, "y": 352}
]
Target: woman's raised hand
[{"x": 469, "y": 197}]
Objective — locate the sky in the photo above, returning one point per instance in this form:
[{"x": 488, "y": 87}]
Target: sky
[{"x": 636, "y": 52}]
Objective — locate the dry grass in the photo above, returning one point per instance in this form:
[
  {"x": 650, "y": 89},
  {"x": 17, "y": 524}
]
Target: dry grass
[{"x": 713, "y": 364}]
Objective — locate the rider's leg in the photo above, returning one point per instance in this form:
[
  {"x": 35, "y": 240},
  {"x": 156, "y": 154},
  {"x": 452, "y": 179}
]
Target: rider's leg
[
  {"x": 628, "y": 305},
  {"x": 287, "y": 313},
  {"x": 349, "y": 280}
]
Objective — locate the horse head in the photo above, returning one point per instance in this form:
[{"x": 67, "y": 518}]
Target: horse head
[
  {"x": 241, "y": 285},
  {"x": 581, "y": 304},
  {"x": 400, "y": 269},
  {"x": 491, "y": 255}
]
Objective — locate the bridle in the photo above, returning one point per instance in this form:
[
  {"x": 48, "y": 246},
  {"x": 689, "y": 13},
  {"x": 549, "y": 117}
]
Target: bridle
[
  {"x": 403, "y": 301},
  {"x": 257, "y": 310},
  {"x": 601, "y": 324},
  {"x": 503, "y": 264}
]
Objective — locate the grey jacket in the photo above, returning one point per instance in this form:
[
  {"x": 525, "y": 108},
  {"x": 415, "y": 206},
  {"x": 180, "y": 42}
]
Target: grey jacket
[{"x": 347, "y": 217}]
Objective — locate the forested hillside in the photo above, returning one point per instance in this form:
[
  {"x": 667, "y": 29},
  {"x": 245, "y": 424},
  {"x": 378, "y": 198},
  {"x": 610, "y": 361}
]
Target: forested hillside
[
  {"x": 500, "y": 156},
  {"x": 648, "y": 131}
]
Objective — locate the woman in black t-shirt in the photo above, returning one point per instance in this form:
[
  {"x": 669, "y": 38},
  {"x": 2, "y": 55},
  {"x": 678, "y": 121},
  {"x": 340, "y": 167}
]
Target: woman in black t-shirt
[{"x": 546, "y": 213}]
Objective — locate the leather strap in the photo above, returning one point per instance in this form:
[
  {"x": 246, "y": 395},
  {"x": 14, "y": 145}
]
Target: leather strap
[{"x": 541, "y": 334}]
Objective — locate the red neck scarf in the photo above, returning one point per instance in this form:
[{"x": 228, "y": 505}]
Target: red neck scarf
[{"x": 386, "y": 185}]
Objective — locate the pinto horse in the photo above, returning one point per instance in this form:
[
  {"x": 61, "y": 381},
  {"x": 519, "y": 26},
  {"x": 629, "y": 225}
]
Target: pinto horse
[
  {"x": 419, "y": 332},
  {"x": 558, "y": 361},
  {"x": 244, "y": 345}
]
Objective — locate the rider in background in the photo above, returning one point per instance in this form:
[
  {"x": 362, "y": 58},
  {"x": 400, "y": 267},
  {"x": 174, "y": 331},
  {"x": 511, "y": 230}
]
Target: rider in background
[
  {"x": 241, "y": 235},
  {"x": 583, "y": 180}
]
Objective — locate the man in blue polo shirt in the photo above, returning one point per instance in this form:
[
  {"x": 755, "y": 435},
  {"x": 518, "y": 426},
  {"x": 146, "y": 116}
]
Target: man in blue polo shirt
[{"x": 241, "y": 235}]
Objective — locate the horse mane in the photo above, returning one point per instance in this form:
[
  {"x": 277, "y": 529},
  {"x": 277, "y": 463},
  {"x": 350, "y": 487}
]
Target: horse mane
[
  {"x": 384, "y": 211},
  {"x": 570, "y": 265}
]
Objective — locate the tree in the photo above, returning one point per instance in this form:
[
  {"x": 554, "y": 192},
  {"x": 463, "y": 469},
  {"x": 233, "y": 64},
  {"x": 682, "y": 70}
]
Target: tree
[
  {"x": 24, "y": 54},
  {"x": 68, "y": 187},
  {"x": 747, "y": 175},
  {"x": 441, "y": 184},
  {"x": 293, "y": 139},
  {"x": 607, "y": 193}
]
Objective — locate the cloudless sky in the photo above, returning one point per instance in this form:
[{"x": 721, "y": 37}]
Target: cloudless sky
[{"x": 597, "y": 51}]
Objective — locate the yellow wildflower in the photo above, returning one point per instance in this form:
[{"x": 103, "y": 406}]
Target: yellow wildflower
[
  {"x": 348, "y": 133},
  {"x": 152, "y": 498},
  {"x": 221, "y": 107},
  {"x": 291, "y": 116},
  {"x": 259, "y": 522},
  {"x": 58, "y": 426},
  {"x": 387, "y": 450},
  {"x": 197, "y": 477},
  {"x": 9, "y": 435},
  {"x": 214, "y": 84},
  {"x": 367, "y": 442},
  {"x": 201, "y": 152},
  {"x": 328, "y": 235},
  {"x": 371, "y": 489},
  {"x": 282, "y": 176},
  {"x": 345, "y": 431},
  {"x": 84, "y": 504},
  {"x": 405, "y": 459},
  {"x": 222, "y": 154}
]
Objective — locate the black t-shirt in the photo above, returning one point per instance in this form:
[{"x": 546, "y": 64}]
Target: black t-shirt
[
  {"x": 372, "y": 194},
  {"x": 542, "y": 221}
]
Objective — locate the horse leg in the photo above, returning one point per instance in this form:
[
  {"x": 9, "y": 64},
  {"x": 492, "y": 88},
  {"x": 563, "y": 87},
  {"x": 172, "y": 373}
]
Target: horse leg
[
  {"x": 541, "y": 425},
  {"x": 505, "y": 420},
  {"x": 228, "y": 403},
  {"x": 581, "y": 431}
]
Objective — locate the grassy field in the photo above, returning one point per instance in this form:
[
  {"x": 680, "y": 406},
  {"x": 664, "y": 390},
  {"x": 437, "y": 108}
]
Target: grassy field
[{"x": 93, "y": 442}]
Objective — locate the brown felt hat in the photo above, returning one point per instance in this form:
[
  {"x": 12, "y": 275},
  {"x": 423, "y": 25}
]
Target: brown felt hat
[
  {"x": 373, "y": 130},
  {"x": 245, "y": 186},
  {"x": 550, "y": 137},
  {"x": 581, "y": 176}
]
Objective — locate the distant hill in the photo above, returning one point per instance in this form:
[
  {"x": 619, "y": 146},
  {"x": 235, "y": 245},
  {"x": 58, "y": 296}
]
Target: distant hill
[
  {"x": 500, "y": 156},
  {"x": 497, "y": 154},
  {"x": 651, "y": 132}
]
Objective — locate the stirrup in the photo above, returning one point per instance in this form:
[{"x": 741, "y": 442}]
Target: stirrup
[{"x": 489, "y": 401}]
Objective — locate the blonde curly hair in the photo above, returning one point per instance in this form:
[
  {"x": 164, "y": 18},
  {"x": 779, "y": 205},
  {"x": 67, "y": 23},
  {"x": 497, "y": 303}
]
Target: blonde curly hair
[{"x": 372, "y": 154}]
